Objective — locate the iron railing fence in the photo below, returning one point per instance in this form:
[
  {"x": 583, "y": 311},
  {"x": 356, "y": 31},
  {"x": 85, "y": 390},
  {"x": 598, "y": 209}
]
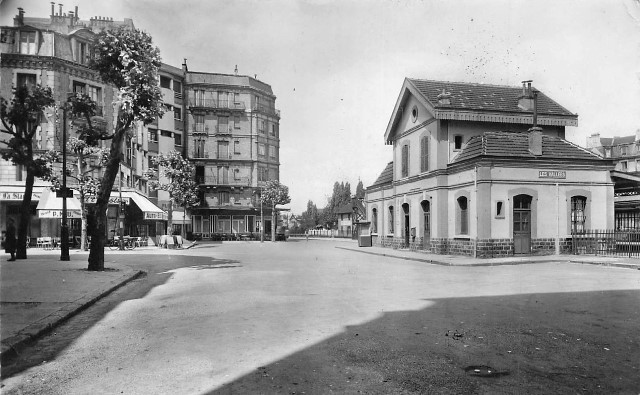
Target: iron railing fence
[{"x": 607, "y": 242}]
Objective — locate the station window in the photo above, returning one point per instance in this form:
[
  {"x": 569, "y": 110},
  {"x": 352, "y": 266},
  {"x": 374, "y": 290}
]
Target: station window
[
  {"x": 462, "y": 216},
  {"x": 500, "y": 209},
  {"x": 457, "y": 142}
]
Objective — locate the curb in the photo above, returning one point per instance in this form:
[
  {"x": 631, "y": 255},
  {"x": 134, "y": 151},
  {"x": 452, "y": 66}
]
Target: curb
[
  {"x": 13, "y": 345},
  {"x": 507, "y": 263},
  {"x": 613, "y": 264}
]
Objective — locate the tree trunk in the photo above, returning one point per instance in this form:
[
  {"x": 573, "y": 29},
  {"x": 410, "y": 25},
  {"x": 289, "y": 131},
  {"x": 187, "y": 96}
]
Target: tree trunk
[
  {"x": 170, "y": 218},
  {"x": 273, "y": 223},
  {"x": 99, "y": 217},
  {"x": 25, "y": 216}
]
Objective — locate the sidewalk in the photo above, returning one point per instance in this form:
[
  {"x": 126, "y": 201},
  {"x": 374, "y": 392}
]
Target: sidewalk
[
  {"x": 457, "y": 260},
  {"x": 41, "y": 292}
]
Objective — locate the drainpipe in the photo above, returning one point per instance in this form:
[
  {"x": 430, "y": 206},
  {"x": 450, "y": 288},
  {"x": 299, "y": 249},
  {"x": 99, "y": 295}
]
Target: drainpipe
[
  {"x": 475, "y": 187},
  {"x": 557, "y": 219}
]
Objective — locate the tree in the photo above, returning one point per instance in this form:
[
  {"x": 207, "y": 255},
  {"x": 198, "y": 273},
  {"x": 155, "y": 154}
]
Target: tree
[
  {"x": 310, "y": 217},
  {"x": 20, "y": 120},
  {"x": 360, "y": 190},
  {"x": 182, "y": 188},
  {"x": 341, "y": 195},
  {"x": 128, "y": 60},
  {"x": 90, "y": 130},
  {"x": 274, "y": 193}
]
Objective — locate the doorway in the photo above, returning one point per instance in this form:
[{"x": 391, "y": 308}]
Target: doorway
[
  {"x": 426, "y": 225},
  {"x": 405, "y": 210},
  {"x": 522, "y": 224}
]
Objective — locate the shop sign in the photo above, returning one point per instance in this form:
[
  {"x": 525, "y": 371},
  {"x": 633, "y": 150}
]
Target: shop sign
[
  {"x": 155, "y": 216},
  {"x": 19, "y": 195},
  {"x": 58, "y": 214},
  {"x": 112, "y": 200},
  {"x": 552, "y": 174}
]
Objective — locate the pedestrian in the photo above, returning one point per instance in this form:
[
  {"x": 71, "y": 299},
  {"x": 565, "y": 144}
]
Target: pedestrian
[
  {"x": 307, "y": 234},
  {"x": 10, "y": 240}
]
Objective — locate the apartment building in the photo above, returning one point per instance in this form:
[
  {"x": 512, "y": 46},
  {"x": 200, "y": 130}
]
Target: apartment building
[
  {"x": 54, "y": 52},
  {"x": 233, "y": 138}
]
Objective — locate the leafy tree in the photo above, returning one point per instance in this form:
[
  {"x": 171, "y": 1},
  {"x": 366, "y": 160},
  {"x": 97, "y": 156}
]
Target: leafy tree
[
  {"x": 310, "y": 217},
  {"x": 274, "y": 193},
  {"x": 341, "y": 195},
  {"x": 128, "y": 60},
  {"x": 90, "y": 130},
  {"x": 178, "y": 173},
  {"x": 360, "y": 190},
  {"x": 20, "y": 120}
]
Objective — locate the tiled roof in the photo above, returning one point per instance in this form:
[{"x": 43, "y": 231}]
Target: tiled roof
[
  {"x": 516, "y": 144},
  {"x": 345, "y": 209},
  {"x": 468, "y": 96},
  {"x": 386, "y": 177},
  {"x": 623, "y": 140}
]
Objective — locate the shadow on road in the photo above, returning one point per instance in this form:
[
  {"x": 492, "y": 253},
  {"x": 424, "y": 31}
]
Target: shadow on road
[
  {"x": 158, "y": 269},
  {"x": 536, "y": 343}
]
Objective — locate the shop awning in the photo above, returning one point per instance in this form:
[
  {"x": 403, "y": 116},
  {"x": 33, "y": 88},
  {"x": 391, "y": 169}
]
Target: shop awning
[
  {"x": 50, "y": 206},
  {"x": 150, "y": 210},
  {"x": 16, "y": 192}
]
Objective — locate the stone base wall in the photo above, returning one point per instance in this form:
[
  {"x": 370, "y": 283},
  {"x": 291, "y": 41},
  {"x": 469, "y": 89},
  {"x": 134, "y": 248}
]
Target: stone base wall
[{"x": 485, "y": 248}]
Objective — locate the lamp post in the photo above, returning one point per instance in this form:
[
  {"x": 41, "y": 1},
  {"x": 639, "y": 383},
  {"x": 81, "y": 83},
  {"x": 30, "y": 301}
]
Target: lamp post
[
  {"x": 64, "y": 229},
  {"x": 120, "y": 210}
]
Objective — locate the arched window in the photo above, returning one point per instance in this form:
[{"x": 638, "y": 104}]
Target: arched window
[
  {"x": 424, "y": 154},
  {"x": 391, "y": 220},
  {"x": 462, "y": 216},
  {"x": 374, "y": 220},
  {"x": 578, "y": 216}
]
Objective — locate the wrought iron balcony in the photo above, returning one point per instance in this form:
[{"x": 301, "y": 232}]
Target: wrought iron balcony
[
  {"x": 223, "y": 181},
  {"x": 266, "y": 110},
  {"x": 216, "y": 104}
]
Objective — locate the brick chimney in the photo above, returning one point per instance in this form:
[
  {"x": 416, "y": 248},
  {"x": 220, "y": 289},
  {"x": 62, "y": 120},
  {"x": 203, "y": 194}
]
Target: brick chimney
[
  {"x": 525, "y": 100},
  {"x": 19, "y": 19},
  {"x": 535, "y": 141},
  {"x": 444, "y": 98},
  {"x": 593, "y": 141}
]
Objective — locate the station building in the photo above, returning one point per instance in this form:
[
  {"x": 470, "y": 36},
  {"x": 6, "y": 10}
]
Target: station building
[{"x": 485, "y": 171}]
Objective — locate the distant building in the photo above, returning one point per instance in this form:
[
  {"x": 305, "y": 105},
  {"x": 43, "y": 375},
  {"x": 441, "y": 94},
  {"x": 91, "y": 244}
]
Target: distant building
[
  {"x": 233, "y": 137},
  {"x": 484, "y": 170},
  {"x": 625, "y": 153}
]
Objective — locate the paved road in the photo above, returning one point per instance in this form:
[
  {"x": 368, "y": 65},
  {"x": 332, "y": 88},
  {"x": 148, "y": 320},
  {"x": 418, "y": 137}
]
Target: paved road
[{"x": 306, "y": 317}]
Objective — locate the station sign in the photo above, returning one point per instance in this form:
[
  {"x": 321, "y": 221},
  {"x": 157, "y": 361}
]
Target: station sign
[{"x": 558, "y": 174}]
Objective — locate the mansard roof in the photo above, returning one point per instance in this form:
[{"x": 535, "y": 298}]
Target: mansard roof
[
  {"x": 386, "y": 177},
  {"x": 508, "y": 144}
]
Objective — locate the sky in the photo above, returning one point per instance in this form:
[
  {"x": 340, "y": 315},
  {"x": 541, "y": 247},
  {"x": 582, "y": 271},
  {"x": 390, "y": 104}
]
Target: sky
[{"x": 337, "y": 66}]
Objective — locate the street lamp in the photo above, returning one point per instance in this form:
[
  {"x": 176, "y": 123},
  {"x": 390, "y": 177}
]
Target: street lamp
[{"x": 64, "y": 229}]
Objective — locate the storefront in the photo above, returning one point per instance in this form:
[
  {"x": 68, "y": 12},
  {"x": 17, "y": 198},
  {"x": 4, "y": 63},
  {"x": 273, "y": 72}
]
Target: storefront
[
  {"x": 49, "y": 211},
  {"x": 11, "y": 204},
  {"x": 139, "y": 217}
]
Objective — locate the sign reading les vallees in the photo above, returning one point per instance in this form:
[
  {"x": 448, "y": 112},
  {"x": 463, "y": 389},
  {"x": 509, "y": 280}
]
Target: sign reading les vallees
[{"x": 552, "y": 174}]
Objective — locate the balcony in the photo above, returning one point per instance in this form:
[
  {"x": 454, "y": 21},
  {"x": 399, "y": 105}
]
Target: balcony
[
  {"x": 229, "y": 105},
  {"x": 210, "y": 155},
  {"x": 266, "y": 110},
  {"x": 223, "y": 181}
]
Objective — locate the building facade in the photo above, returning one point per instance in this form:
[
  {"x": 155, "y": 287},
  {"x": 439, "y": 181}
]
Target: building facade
[
  {"x": 54, "y": 52},
  {"x": 625, "y": 153},
  {"x": 233, "y": 138},
  {"x": 471, "y": 176}
]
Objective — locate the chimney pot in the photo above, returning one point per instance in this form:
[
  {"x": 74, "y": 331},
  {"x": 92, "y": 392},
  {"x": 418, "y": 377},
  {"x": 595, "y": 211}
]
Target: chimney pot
[
  {"x": 76, "y": 13},
  {"x": 60, "y": 5},
  {"x": 53, "y": 9}
]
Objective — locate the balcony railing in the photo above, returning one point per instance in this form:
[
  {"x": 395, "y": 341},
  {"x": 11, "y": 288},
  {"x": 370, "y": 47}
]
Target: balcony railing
[
  {"x": 218, "y": 129},
  {"x": 210, "y": 155},
  {"x": 266, "y": 110},
  {"x": 212, "y": 180},
  {"x": 217, "y": 104}
]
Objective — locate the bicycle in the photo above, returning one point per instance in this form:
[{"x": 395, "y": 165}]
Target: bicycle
[{"x": 129, "y": 244}]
